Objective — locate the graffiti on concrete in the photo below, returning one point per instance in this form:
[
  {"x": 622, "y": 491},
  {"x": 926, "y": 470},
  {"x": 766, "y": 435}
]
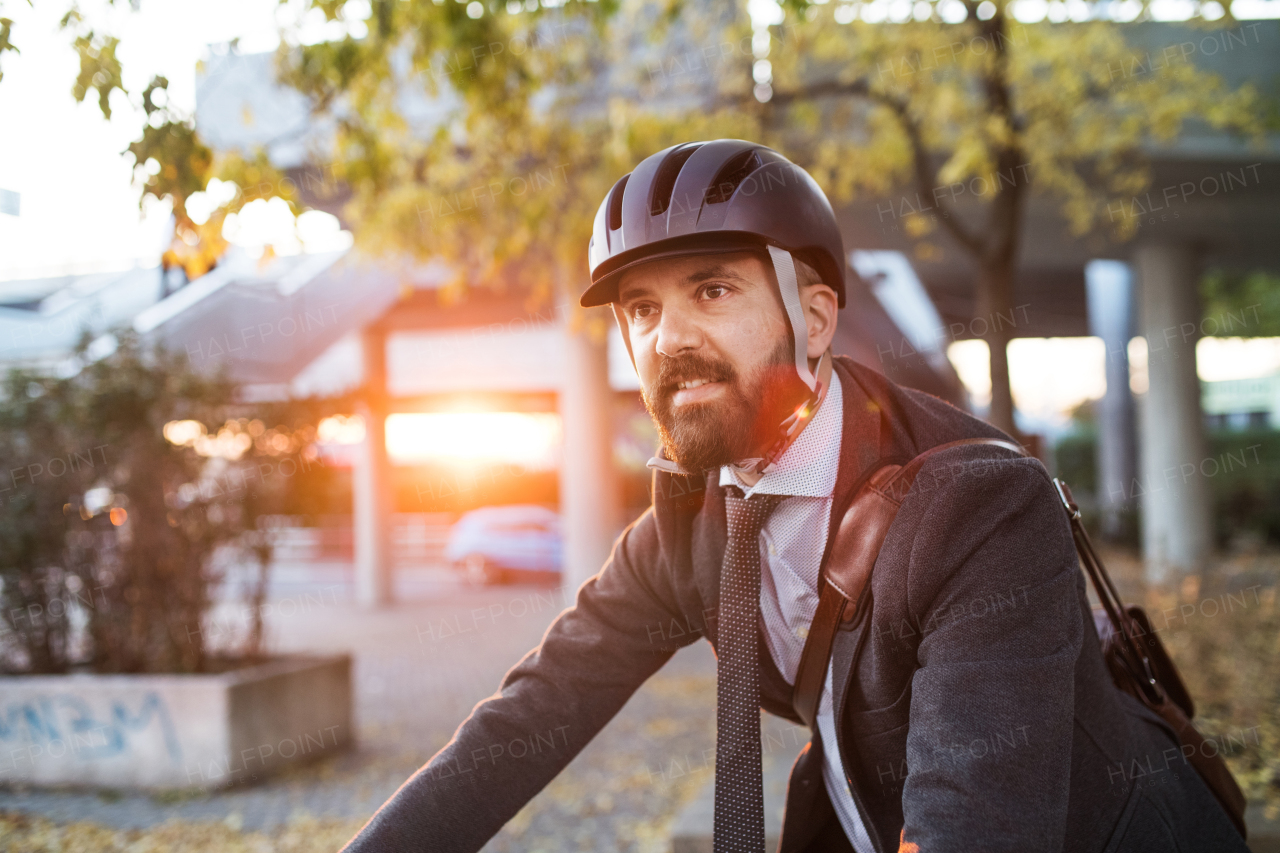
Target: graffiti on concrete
[{"x": 63, "y": 725}]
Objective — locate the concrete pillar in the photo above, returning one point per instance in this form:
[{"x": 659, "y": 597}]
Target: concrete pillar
[
  {"x": 1177, "y": 522},
  {"x": 1109, "y": 288},
  {"x": 371, "y": 481},
  {"x": 589, "y": 498}
]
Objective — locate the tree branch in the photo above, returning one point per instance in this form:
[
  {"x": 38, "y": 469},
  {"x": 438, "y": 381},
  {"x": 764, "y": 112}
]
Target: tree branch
[
  {"x": 1006, "y": 206},
  {"x": 926, "y": 176},
  {"x": 826, "y": 88}
]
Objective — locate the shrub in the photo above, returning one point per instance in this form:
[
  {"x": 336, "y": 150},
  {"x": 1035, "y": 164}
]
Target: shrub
[
  {"x": 1245, "y": 481},
  {"x": 127, "y": 487}
]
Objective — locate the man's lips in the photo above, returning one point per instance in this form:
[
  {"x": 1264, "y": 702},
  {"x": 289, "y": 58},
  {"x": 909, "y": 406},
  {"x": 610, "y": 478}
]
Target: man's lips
[{"x": 696, "y": 391}]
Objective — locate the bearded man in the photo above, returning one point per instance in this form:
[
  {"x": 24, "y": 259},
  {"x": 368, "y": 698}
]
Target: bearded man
[{"x": 964, "y": 705}]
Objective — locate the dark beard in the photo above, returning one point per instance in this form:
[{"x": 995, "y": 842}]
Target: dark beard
[{"x": 744, "y": 424}]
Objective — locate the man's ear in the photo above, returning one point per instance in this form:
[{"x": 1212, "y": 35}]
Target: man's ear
[{"x": 821, "y": 306}]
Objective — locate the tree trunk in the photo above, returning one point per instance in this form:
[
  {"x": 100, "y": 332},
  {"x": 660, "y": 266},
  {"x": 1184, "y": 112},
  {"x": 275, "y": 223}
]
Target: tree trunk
[{"x": 995, "y": 322}]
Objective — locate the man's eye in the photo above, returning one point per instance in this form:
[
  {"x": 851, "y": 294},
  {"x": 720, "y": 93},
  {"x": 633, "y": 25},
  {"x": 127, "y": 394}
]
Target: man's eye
[
  {"x": 714, "y": 291},
  {"x": 641, "y": 312}
]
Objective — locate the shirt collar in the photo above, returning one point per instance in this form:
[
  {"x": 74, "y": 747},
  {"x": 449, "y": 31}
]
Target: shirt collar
[{"x": 808, "y": 467}]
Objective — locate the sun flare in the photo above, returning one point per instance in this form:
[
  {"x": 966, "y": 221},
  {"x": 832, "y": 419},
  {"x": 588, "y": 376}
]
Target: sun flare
[{"x": 530, "y": 440}]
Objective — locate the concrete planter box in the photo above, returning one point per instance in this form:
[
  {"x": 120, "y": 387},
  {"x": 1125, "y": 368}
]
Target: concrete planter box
[{"x": 161, "y": 732}]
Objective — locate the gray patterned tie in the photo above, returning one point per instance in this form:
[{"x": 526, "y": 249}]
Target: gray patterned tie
[{"x": 739, "y": 809}]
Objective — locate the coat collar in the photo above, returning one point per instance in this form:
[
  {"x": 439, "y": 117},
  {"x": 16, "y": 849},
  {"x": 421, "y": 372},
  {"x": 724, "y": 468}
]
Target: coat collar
[{"x": 866, "y": 428}]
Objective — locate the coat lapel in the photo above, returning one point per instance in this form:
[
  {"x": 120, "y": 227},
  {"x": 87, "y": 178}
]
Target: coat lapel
[{"x": 710, "y": 535}]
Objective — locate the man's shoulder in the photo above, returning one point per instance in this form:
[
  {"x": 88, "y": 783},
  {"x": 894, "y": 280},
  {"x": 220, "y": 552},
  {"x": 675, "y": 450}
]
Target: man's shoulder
[{"x": 968, "y": 477}]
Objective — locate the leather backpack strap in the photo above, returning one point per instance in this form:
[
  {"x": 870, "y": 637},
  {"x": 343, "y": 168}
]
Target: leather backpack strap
[{"x": 858, "y": 538}]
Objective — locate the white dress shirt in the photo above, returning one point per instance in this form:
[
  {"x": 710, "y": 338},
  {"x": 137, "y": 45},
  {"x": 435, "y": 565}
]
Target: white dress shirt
[{"x": 791, "y": 546}]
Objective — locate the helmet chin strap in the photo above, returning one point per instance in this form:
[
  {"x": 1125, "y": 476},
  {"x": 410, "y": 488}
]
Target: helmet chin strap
[{"x": 784, "y": 270}]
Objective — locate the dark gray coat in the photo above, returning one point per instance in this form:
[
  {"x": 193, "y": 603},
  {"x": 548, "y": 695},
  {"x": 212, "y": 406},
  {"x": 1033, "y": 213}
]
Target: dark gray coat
[{"x": 976, "y": 712}]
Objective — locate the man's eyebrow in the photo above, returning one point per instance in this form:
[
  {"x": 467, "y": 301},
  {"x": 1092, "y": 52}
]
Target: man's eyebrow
[
  {"x": 715, "y": 271},
  {"x": 629, "y": 290}
]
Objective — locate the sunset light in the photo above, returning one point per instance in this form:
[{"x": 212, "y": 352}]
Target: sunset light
[{"x": 531, "y": 441}]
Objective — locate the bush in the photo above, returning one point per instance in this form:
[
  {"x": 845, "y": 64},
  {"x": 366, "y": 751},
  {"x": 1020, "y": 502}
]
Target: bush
[
  {"x": 1073, "y": 458},
  {"x": 119, "y": 507},
  {"x": 1245, "y": 481},
  {"x": 1246, "y": 495}
]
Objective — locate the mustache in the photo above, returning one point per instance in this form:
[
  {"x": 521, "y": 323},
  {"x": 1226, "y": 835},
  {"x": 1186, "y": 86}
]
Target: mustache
[{"x": 689, "y": 366}]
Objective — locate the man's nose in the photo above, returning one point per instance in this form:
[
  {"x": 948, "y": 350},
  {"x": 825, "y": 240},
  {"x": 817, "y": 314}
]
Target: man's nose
[{"x": 677, "y": 332}]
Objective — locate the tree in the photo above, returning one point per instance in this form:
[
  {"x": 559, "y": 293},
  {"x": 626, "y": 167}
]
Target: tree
[
  {"x": 998, "y": 108},
  {"x": 6, "y": 39},
  {"x": 869, "y": 108},
  {"x": 991, "y": 104},
  {"x": 960, "y": 95}
]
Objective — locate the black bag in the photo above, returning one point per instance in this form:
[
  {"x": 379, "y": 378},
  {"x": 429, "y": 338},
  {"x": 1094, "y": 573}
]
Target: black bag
[
  {"x": 1141, "y": 667},
  {"x": 1136, "y": 658}
]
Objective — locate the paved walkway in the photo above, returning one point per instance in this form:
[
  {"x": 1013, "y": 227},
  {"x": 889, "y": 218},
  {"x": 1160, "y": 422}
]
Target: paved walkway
[{"x": 419, "y": 669}]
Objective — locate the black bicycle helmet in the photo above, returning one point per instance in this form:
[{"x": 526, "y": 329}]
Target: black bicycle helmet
[
  {"x": 727, "y": 195},
  {"x": 704, "y": 197}
]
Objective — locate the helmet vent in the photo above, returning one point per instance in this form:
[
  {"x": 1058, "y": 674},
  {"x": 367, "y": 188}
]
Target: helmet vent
[
  {"x": 664, "y": 183},
  {"x": 731, "y": 176},
  {"x": 615, "y": 203}
]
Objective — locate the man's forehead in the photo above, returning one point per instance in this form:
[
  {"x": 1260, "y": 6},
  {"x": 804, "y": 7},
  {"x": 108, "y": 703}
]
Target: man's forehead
[{"x": 744, "y": 266}]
